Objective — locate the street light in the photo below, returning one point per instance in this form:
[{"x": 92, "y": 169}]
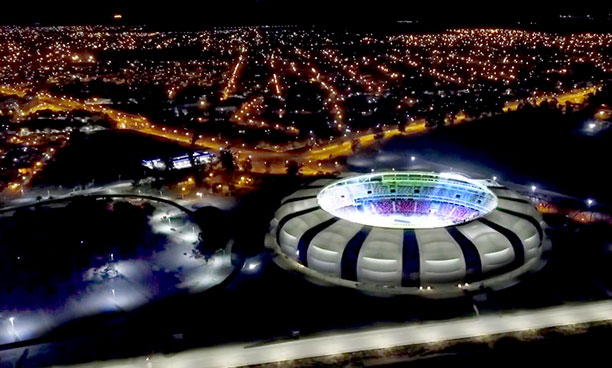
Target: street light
[
  {"x": 590, "y": 202},
  {"x": 533, "y": 188}
]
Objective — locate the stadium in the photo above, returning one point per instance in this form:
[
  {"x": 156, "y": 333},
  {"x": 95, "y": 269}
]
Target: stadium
[{"x": 413, "y": 232}]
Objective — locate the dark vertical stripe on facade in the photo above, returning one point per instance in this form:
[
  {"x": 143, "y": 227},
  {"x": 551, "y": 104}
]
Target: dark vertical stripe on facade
[
  {"x": 473, "y": 265},
  {"x": 411, "y": 263},
  {"x": 290, "y": 216},
  {"x": 515, "y": 241},
  {"x": 498, "y": 189},
  {"x": 533, "y": 221},
  {"x": 350, "y": 255},
  {"x": 307, "y": 237}
]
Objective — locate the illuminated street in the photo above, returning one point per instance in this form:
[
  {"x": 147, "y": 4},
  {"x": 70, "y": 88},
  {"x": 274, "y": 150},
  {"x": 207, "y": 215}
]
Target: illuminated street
[{"x": 338, "y": 344}]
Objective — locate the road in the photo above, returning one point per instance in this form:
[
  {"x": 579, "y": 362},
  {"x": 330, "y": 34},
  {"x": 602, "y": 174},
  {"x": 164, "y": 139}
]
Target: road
[
  {"x": 415, "y": 333},
  {"x": 306, "y": 155},
  {"x": 95, "y": 196}
]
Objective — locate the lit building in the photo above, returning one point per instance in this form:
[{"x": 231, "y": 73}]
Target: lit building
[
  {"x": 424, "y": 233},
  {"x": 179, "y": 162}
]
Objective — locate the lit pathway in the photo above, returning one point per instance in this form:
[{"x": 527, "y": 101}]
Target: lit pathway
[
  {"x": 238, "y": 355},
  {"x": 121, "y": 284}
]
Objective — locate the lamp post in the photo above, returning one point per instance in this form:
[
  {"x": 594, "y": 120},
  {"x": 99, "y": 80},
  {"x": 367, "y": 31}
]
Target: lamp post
[{"x": 590, "y": 203}]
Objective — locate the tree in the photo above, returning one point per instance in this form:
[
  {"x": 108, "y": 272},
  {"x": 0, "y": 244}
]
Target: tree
[
  {"x": 215, "y": 230},
  {"x": 227, "y": 161},
  {"x": 293, "y": 168}
]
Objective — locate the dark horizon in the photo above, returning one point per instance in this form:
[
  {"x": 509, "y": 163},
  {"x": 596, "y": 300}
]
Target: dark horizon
[{"x": 361, "y": 14}]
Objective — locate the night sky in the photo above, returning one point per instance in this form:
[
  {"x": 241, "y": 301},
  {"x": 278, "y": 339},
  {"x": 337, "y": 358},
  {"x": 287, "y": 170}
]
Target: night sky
[{"x": 205, "y": 13}]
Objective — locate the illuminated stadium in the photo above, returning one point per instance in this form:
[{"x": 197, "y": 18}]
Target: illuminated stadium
[
  {"x": 412, "y": 232},
  {"x": 407, "y": 200}
]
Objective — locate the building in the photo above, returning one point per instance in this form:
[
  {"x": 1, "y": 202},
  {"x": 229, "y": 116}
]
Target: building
[
  {"x": 413, "y": 232},
  {"x": 179, "y": 162}
]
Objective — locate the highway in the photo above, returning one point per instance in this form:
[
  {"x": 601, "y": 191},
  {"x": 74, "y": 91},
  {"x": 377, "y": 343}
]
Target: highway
[{"x": 339, "y": 343}]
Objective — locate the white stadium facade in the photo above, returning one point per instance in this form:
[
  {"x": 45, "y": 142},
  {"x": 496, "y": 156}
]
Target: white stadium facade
[{"x": 413, "y": 232}]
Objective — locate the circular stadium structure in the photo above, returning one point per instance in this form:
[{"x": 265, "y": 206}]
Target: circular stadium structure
[{"x": 412, "y": 232}]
